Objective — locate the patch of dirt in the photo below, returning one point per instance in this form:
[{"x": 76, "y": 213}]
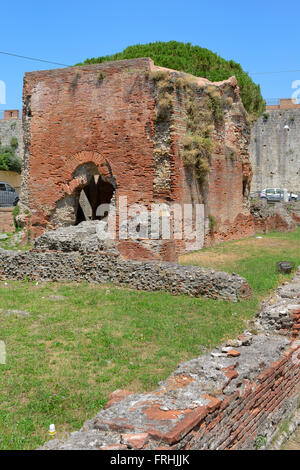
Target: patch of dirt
[
  {"x": 241, "y": 249},
  {"x": 266, "y": 242},
  {"x": 210, "y": 259}
]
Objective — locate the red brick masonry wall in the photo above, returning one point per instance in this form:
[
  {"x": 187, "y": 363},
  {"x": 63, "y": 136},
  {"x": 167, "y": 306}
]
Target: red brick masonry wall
[
  {"x": 233, "y": 422},
  {"x": 285, "y": 103},
  {"x": 105, "y": 115},
  {"x": 234, "y": 417},
  {"x": 76, "y": 118},
  {"x": 11, "y": 114}
]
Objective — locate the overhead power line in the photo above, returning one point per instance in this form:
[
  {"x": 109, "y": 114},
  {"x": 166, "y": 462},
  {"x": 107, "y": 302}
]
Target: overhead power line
[
  {"x": 68, "y": 65},
  {"x": 33, "y": 58}
]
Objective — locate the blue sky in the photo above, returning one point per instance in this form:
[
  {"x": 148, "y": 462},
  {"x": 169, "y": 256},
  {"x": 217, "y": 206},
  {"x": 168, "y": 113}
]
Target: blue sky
[{"x": 262, "y": 35}]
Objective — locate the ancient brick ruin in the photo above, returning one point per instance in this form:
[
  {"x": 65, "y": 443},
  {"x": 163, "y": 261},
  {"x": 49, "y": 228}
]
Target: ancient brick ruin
[
  {"x": 94, "y": 134},
  {"x": 121, "y": 129}
]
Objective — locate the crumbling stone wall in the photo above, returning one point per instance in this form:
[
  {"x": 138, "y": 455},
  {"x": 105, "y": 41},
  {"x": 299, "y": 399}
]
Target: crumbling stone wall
[
  {"x": 275, "y": 150},
  {"x": 280, "y": 312},
  {"x": 236, "y": 397},
  {"x": 130, "y": 120},
  {"x": 282, "y": 217}
]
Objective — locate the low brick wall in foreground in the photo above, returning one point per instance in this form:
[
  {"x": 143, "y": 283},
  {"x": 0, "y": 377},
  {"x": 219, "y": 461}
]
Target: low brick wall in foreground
[
  {"x": 212, "y": 402},
  {"x": 236, "y": 397}
]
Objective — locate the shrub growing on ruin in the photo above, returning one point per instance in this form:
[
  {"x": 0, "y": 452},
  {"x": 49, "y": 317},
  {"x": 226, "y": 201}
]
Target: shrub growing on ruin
[
  {"x": 212, "y": 223},
  {"x": 16, "y": 212},
  {"x": 201, "y": 121},
  {"x": 216, "y": 108},
  {"x": 165, "y": 87}
]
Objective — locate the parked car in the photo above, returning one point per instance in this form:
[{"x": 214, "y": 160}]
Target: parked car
[
  {"x": 8, "y": 195},
  {"x": 294, "y": 197},
  {"x": 272, "y": 194}
]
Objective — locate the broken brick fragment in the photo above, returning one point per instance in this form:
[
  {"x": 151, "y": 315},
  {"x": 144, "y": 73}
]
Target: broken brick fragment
[
  {"x": 233, "y": 353},
  {"x": 116, "y": 396},
  {"x": 230, "y": 373},
  {"x": 135, "y": 441}
]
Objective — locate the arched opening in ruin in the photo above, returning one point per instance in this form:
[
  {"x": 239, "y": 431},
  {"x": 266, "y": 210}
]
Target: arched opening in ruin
[
  {"x": 92, "y": 190},
  {"x": 98, "y": 191}
]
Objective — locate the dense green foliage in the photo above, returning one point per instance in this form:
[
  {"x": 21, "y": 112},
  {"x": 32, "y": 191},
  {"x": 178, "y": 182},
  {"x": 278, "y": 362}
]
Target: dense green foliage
[
  {"x": 197, "y": 61},
  {"x": 9, "y": 160}
]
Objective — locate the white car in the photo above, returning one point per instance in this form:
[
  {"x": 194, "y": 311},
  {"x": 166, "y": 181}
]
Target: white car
[
  {"x": 294, "y": 197},
  {"x": 276, "y": 194},
  {"x": 272, "y": 194}
]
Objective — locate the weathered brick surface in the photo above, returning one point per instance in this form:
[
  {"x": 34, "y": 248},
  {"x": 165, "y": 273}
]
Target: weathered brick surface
[{"x": 74, "y": 116}]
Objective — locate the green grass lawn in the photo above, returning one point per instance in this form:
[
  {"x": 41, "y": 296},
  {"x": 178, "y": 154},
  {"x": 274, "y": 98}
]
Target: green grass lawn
[{"x": 67, "y": 356}]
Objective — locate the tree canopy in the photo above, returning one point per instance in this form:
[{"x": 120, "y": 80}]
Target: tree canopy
[{"x": 197, "y": 61}]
